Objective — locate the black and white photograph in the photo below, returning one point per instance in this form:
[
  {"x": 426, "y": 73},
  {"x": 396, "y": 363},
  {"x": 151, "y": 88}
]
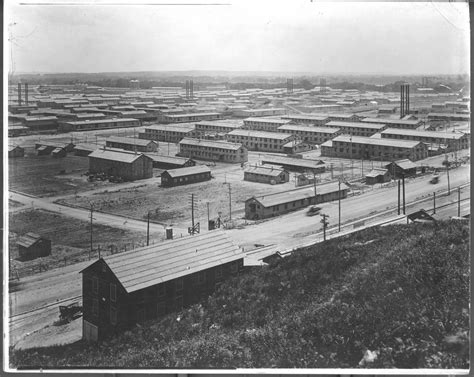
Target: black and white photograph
[{"x": 236, "y": 186}]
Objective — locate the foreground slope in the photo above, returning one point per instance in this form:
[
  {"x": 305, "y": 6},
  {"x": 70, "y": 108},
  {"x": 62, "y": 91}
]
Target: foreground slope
[{"x": 398, "y": 295}]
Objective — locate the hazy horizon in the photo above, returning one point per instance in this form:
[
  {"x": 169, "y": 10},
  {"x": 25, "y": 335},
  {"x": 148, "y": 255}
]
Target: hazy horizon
[{"x": 300, "y": 37}]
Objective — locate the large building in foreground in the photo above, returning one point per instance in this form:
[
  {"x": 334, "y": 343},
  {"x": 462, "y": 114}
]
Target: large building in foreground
[
  {"x": 121, "y": 290},
  {"x": 368, "y": 148},
  {"x": 213, "y": 150},
  {"x": 127, "y": 165}
]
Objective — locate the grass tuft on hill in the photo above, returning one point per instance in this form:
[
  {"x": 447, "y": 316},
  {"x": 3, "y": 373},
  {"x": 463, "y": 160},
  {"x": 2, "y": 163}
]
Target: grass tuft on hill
[{"x": 398, "y": 293}]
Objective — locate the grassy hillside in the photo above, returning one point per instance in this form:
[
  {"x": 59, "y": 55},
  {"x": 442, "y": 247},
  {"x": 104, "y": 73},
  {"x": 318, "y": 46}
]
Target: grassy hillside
[{"x": 399, "y": 292}]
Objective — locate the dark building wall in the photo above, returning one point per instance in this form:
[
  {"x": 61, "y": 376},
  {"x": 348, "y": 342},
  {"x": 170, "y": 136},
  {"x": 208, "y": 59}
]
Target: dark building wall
[
  {"x": 255, "y": 210},
  {"x": 148, "y": 303},
  {"x": 141, "y": 168},
  {"x": 41, "y": 248},
  {"x": 168, "y": 181}
]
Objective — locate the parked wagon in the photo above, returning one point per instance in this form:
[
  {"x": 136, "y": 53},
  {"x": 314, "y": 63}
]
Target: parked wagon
[{"x": 70, "y": 312}]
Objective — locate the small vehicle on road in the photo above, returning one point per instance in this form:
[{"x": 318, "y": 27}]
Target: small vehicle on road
[
  {"x": 313, "y": 210},
  {"x": 435, "y": 179}
]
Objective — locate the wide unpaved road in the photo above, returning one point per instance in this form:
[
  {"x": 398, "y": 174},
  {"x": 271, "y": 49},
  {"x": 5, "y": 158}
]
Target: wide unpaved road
[{"x": 287, "y": 231}]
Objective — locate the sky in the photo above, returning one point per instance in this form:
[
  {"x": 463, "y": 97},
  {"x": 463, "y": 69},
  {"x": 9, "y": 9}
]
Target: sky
[{"x": 262, "y": 35}]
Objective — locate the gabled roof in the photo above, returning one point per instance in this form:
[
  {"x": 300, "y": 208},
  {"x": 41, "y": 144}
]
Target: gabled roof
[
  {"x": 29, "y": 239},
  {"x": 168, "y": 159},
  {"x": 86, "y": 147},
  {"x": 380, "y": 141},
  {"x": 337, "y": 123},
  {"x": 298, "y": 194},
  {"x": 267, "y": 120},
  {"x": 211, "y": 143},
  {"x": 290, "y": 161},
  {"x": 299, "y": 127},
  {"x": 376, "y": 172},
  {"x": 116, "y": 155},
  {"x": 182, "y": 172},
  {"x": 261, "y": 134},
  {"x": 404, "y": 164},
  {"x": 130, "y": 140},
  {"x": 151, "y": 265},
  {"x": 263, "y": 170}
]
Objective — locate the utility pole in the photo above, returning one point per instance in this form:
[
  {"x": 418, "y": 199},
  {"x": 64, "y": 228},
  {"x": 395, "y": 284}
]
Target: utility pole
[
  {"x": 459, "y": 201},
  {"x": 325, "y": 223},
  {"x": 90, "y": 251},
  {"x": 398, "y": 196},
  {"x": 314, "y": 184},
  {"x": 403, "y": 181},
  {"x": 332, "y": 175},
  {"x": 434, "y": 202},
  {"x": 230, "y": 202},
  {"x": 447, "y": 173},
  {"x": 148, "y": 229},
  {"x": 207, "y": 216},
  {"x": 339, "y": 205},
  {"x": 192, "y": 211},
  {"x": 362, "y": 166}
]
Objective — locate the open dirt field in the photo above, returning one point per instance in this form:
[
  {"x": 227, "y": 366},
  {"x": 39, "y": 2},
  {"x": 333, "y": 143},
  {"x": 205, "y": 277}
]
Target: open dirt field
[
  {"x": 70, "y": 239},
  {"x": 173, "y": 205},
  {"x": 48, "y": 176}
]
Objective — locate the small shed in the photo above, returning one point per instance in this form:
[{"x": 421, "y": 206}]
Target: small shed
[
  {"x": 16, "y": 151},
  {"x": 401, "y": 168},
  {"x": 185, "y": 176},
  {"x": 377, "y": 175},
  {"x": 32, "y": 246},
  {"x": 420, "y": 216},
  {"x": 297, "y": 147}
]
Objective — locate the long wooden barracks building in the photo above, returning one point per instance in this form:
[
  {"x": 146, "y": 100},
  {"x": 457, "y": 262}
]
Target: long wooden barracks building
[
  {"x": 213, "y": 150},
  {"x": 169, "y": 133},
  {"x": 345, "y": 146},
  {"x": 131, "y": 144},
  {"x": 264, "y": 124},
  {"x": 266, "y": 206},
  {"x": 312, "y": 135},
  {"x": 121, "y": 290},
  {"x": 260, "y": 140},
  {"x": 185, "y": 176}
]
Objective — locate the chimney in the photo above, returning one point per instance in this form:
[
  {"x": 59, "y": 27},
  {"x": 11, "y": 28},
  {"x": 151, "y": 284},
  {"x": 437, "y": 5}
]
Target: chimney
[
  {"x": 26, "y": 93},
  {"x": 19, "y": 94}
]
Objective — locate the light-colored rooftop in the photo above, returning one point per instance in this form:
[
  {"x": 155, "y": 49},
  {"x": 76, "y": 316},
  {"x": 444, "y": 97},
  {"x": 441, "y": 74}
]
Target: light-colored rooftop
[
  {"x": 151, "y": 265},
  {"x": 260, "y": 134},
  {"x": 210, "y": 143}
]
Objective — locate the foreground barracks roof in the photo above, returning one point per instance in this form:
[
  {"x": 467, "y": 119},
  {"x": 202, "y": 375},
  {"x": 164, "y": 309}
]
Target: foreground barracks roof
[{"x": 151, "y": 265}]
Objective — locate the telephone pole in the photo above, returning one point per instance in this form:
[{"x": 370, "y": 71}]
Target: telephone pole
[
  {"x": 192, "y": 210},
  {"x": 339, "y": 205},
  {"x": 325, "y": 223},
  {"x": 398, "y": 196},
  {"x": 314, "y": 183},
  {"x": 230, "y": 202},
  {"x": 148, "y": 229},
  {"x": 403, "y": 182},
  {"x": 459, "y": 201},
  {"x": 434, "y": 202},
  {"x": 90, "y": 251}
]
